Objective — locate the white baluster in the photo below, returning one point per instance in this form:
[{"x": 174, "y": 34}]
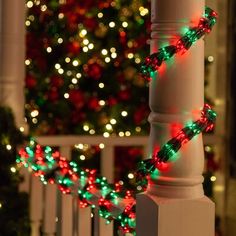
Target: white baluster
[
  {"x": 25, "y": 185},
  {"x": 107, "y": 170},
  {"x": 50, "y": 210},
  {"x": 66, "y": 215},
  {"x": 36, "y": 206},
  {"x": 108, "y": 163},
  {"x": 84, "y": 221},
  {"x": 66, "y": 220},
  {"x": 174, "y": 204}
]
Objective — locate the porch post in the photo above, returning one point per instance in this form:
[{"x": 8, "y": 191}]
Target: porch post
[
  {"x": 12, "y": 56},
  {"x": 174, "y": 203}
]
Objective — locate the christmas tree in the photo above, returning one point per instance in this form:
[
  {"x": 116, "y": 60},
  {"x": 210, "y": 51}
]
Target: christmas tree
[
  {"x": 83, "y": 62},
  {"x": 13, "y": 204}
]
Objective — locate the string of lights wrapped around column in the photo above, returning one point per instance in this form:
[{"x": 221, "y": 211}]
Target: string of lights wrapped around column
[
  {"x": 92, "y": 190},
  {"x": 153, "y": 62}
]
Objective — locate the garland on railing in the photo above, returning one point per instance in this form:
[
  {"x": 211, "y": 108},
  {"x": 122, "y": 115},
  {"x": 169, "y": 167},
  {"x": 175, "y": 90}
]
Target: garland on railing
[
  {"x": 114, "y": 202},
  {"x": 93, "y": 190}
]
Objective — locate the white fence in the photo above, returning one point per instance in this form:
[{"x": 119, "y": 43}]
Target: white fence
[{"x": 52, "y": 213}]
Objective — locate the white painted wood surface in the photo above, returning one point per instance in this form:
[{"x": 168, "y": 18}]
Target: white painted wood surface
[
  {"x": 12, "y": 56},
  {"x": 36, "y": 206},
  {"x": 174, "y": 204}
]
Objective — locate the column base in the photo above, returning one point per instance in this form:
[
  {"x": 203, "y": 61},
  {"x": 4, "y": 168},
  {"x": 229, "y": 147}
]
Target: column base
[{"x": 158, "y": 216}]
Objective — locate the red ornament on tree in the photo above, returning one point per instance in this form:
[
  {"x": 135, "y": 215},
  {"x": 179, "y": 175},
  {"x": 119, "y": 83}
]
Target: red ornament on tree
[
  {"x": 56, "y": 81},
  {"x": 93, "y": 104},
  {"x": 76, "y": 97},
  {"x": 73, "y": 48},
  {"x": 94, "y": 71},
  {"x": 30, "y": 81}
]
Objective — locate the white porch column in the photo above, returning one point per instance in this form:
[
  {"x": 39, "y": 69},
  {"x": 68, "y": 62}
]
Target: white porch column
[
  {"x": 12, "y": 56},
  {"x": 174, "y": 204}
]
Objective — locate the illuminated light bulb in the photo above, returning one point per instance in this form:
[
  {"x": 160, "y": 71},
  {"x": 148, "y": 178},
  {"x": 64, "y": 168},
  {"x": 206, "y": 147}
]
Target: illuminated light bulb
[
  {"x": 137, "y": 60},
  {"x": 49, "y": 49},
  {"x": 141, "y": 8},
  {"x": 127, "y": 133},
  {"x": 86, "y": 147},
  {"x": 130, "y": 175},
  {"x": 31, "y": 17},
  {"x": 29, "y": 4},
  {"x": 60, "y": 15},
  {"x": 130, "y": 44},
  {"x": 86, "y": 128},
  {"x": 37, "y": 2},
  {"x": 207, "y": 148},
  {"x": 125, "y": 24},
  {"x": 124, "y": 113},
  {"x": 82, "y": 157},
  {"x": 13, "y": 169},
  {"x": 79, "y": 146},
  {"x": 67, "y": 59},
  {"x": 106, "y": 134},
  {"x": 66, "y": 95},
  {"x": 107, "y": 59},
  {"x": 210, "y": 58},
  {"x": 60, "y": 71},
  {"x": 78, "y": 75},
  {"x": 0, "y": 205},
  {"x": 34, "y": 120},
  {"x": 27, "y": 23},
  {"x": 108, "y": 126},
  {"x": 92, "y": 131},
  {"x": 75, "y": 63},
  {"x": 8, "y": 147},
  {"x": 101, "y": 102},
  {"x": 112, "y": 49},
  {"x": 114, "y": 55},
  {"x": 85, "y": 49},
  {"x": 112, "y": 24},
  {"x": 143, "y": 11},
  {"x": 101, "y": 85},
  {"x": 121, "y": 134},
  {"x": 22, "y": 129},
  {"x": 138, "y": 129},
  {"x": 74, "y": 81},
  {"x": 32, "y": 142},
  {"x": 91, "y": 46},
  {"x": 101, "y": 145},
  {"x": 82, "y": 33},
  {"x": 104, "y": 52},
  {"x": 69, "y": 73},
  {"x": 27, "y": 62},
  {"x": 121, "y": 182},
  {"x": 60, "y": 40},
  {"x": 85, "y": 42},
  {"x": 34, "y": 113},
  {"x": 43, "y": 8},
  {"x": 57, "y": 66},
  {"x": 130, "y": 55},
  {"x": 213, "y": 178},
  {"x": 113, "y": 121},
  {"x": 100, "y": 15},
  {"x": 139, "y": 188}
]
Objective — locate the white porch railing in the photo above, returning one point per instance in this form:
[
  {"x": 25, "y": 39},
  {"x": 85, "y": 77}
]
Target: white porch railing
[
  {"x": 56, "y": 214},
  {"x": 52, "y": 213}
]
